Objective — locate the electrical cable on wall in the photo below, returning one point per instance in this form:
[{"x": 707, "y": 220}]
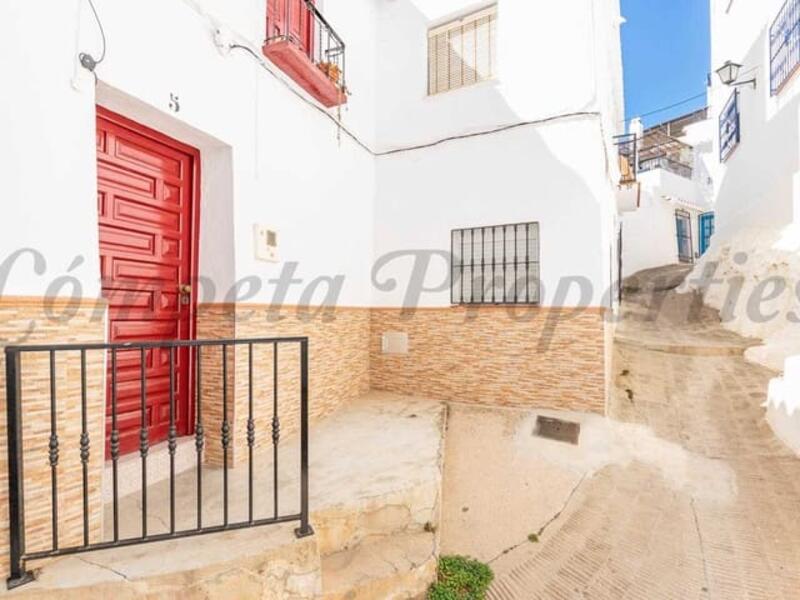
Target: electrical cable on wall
[
  {"x": 422, "y": 146},
  {"x": 87, "y": 61},
  {"x": 245, "y": 47},
  {"x": 90, "y": 63},
  {"x": 684, "y": 101},
  {"x": 664, "y": 108}
]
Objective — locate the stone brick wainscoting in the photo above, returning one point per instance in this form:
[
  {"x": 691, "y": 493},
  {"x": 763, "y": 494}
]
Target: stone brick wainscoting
[
  {"x": 338, "y": 367},
  {"x": 43, "y": 321},
  {"x": 500, "y": 355},
  {"x": 528, "y": 357}
]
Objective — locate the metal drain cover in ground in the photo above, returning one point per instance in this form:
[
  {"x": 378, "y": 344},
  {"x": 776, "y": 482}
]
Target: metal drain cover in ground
[{"x": 557, "y": 429}]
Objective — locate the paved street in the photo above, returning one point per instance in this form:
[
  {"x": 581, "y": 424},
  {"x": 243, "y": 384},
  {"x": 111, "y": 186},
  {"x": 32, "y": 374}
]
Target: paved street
[{"x": 713, "y": 514}]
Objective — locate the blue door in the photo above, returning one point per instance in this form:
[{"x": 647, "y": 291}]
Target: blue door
[{"x": 706, "y": 231}]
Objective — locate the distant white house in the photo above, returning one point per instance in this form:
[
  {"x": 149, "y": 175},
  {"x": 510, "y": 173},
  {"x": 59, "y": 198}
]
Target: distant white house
[{"x": 672, "y": 220}]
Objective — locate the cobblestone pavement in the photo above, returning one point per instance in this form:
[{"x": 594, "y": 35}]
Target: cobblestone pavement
[{"x": 627, "y": 532}]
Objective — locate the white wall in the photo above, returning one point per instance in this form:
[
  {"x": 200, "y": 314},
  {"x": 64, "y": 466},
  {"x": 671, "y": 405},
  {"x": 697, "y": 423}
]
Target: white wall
[
  {"x": 267, "y": 157},
  {"x": 650, "y": 234},
  {"x": 545, "y": 174},
  {"x": 49, "y": 183},
  {"x": 650, "y": 231},
  {"x": 757, "y": 186},
  {"x": 553, "y": 59},
  {"x": 546, "y": 66}
]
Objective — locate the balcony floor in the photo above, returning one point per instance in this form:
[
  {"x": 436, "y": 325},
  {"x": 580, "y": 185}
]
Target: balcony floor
[{"x": 295, "y": 63}]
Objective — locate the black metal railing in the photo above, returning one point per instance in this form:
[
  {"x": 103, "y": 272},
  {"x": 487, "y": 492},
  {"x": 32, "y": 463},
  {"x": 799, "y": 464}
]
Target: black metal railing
[
  {"x": 784, "y": 45},
  {"x": 134, "y": 355},
  {"x": 667, "y": 163},
  {"x": 729, "y": 127},
  {"x": 300, "y": 23}
]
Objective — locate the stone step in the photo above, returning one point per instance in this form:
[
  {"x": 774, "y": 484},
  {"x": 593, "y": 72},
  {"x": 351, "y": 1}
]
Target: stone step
[
  {"x": 401, "y": 511},
  {"x": 691, "y": 347},
  {"x": 262, "y": 562},
  {"x": 387, "y": 568}
]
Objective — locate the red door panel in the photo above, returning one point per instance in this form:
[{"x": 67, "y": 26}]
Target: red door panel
[
  {"x": 291, "y": 19},
  {"x": 147, "y": 222}
]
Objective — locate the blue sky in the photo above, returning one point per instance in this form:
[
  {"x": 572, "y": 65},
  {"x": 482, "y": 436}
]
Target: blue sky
[{"x": 665, "y": 53}]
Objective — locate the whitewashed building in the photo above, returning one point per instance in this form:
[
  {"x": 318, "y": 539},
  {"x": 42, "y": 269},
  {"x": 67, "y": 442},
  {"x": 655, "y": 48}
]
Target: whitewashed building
[
  {"x": 673, "y": 219},
  {"x": 754, "y": 98},
  {"x": 198, "y": 169}
]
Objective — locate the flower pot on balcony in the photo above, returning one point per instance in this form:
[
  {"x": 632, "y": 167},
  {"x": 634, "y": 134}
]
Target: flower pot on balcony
[{"x": 332, "y": 70}]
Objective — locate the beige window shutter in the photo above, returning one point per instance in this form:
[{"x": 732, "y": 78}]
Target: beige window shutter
[{"x": 462, "y": 52}]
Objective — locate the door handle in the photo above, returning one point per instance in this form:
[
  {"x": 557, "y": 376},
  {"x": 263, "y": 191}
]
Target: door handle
[{"x": 185, "y": 289}]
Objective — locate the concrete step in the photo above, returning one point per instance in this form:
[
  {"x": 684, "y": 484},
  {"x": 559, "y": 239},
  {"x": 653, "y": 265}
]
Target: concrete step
[
  {"x": 368, "y": 484},
  {"x": 385, "y": 568},
  {"x": 262, "y": 562},
  {"x": 690, "y": 347},
  {"x": 394, "y": 513}
]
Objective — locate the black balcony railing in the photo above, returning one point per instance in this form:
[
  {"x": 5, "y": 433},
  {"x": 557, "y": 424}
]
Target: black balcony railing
[
  {"x": 300, "y": 23},
  {"x": 668, "y": 164},
  {"x": 134, "y": 356}
]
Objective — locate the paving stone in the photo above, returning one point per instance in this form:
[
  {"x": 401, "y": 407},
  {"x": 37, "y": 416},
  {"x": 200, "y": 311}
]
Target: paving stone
[{"x": 631, "y": 532}]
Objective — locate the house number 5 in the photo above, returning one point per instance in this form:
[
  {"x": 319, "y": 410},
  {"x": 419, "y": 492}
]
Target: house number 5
[{"x": 174, "y": 103}]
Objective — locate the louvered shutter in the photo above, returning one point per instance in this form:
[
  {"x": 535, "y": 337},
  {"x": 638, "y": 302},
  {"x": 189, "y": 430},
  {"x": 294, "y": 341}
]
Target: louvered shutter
[{"x": 462, "y": 52}]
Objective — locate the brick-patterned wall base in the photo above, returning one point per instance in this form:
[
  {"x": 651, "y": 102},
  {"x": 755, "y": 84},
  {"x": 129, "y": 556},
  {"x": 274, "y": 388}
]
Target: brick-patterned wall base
[
  {"x": 539, "y": 358},
  {"x": 338, "y": 359},
  {"x": 215, "y": 321},
  {"x": 524, "y": 357},
  {"x": 40, "y": 321}
]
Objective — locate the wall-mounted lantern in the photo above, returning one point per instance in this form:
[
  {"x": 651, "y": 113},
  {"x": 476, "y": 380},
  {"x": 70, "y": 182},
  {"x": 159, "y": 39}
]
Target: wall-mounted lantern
[{"x": 729, "y": 73}]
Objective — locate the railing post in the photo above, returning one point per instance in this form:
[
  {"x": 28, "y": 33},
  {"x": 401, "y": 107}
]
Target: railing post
[
  {"x": 287, "y": 21},
  {"x": 305, "y": 528},
  {"x": 16, "y": 497}
]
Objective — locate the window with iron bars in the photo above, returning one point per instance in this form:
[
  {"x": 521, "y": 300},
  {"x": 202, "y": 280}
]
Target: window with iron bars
[
  {"x": 729, "y": 131},
  {"x": 784, "y": 45},
  {"x": 462, "y": 52},
  {"x": 495, "y": 265}
]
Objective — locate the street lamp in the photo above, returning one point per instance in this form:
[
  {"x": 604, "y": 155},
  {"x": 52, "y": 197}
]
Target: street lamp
[{"x": 729, "y": 73}]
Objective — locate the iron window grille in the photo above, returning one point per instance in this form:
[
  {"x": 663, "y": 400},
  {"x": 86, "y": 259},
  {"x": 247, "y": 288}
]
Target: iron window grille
[
  {"x": 729, "y": 127},
  {"x": 784, "y": 45},
  {"x": 495, "y": 265},
  {"x": 462, "y": 52}
]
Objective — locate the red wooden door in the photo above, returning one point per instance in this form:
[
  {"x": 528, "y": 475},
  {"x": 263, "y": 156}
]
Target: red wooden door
[
  {"x": 291, "y": 19},
  {"x": 146, "y": 186}
]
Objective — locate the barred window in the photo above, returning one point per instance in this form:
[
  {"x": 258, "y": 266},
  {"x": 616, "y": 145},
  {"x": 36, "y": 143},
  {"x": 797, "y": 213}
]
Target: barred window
[
  {"x": 462, "y": 52},
  {"x": 495, "y": 265},
  {"x": 784, "y": 45},
  {"x": 729, "y": 127}
]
